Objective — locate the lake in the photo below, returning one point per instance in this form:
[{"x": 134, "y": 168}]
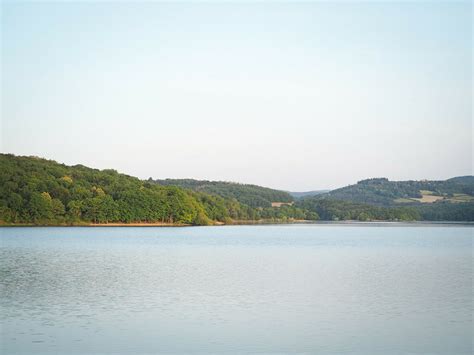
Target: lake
[{"x": 322, "y": 288}]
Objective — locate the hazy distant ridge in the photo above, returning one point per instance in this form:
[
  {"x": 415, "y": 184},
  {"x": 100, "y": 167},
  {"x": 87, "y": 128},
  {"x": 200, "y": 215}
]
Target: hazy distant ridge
[{"x": 307, "y": 193}]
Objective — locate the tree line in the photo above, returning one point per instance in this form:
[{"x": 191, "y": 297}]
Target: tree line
[
  {"x": 39, "y": 191},
  {"x": 44, "y": 192},
  {"x": 250, "y": 195},
  {"x": 338, "y": 210}
]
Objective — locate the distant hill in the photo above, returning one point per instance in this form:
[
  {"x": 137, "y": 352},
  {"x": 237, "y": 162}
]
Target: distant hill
[
  {"x": 307, "y": 193},
  {"x": 251, "y": 195},
  {"x": 465, "y": 180},
  {"x": 382, "y": 192},
  {"x": 381, "y": 199}
]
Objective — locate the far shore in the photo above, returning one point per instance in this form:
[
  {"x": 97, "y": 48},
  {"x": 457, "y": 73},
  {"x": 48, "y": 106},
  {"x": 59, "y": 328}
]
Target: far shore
[
  {"x": 153, "y": 224},
  {"x": 243, "y": 223}
]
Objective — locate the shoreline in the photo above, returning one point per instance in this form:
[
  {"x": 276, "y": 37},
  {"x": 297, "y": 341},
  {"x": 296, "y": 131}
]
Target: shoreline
[
  {"x": 248, "y": 223},
  {"x": 96, "y": 225}
]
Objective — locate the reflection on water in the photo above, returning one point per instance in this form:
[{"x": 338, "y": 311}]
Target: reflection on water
[{"x": 314, "y": 289}]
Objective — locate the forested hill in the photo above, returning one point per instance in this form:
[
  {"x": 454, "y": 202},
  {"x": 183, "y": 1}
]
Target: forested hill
[
  {"x": 251, "y": 195},
  {"x": 382, "y": 192},
  {"x": 381, "y": 199},
  {"x": 43, "y": 192},
  {"x": 464, "y": 180},
  {"x": 40, "y": 191}
]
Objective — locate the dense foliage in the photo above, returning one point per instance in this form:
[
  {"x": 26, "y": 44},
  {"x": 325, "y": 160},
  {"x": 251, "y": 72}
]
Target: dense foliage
[
  {"x": 337, "y": 210},
  {"x": 330, "y": 209},
  {"x": 250, "y": 195},
  {"x": 39, "y": 191},
  {"x": 446, "y": 211}
]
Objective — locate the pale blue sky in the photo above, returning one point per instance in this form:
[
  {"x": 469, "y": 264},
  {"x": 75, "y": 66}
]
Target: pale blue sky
[{"x": 295, "y": 96}]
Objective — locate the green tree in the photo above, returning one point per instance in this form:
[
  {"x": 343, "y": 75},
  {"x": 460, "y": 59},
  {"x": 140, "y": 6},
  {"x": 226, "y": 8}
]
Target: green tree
[{"x": 40, "y": 206}]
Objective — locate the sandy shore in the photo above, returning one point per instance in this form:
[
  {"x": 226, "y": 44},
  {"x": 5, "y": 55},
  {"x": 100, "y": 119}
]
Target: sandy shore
[
  {"x": 243, "y": 223},
  {"x": 97, "y": 225},
  {"x": 143, "y": 224},
  {"x": 134, "y": 225}
]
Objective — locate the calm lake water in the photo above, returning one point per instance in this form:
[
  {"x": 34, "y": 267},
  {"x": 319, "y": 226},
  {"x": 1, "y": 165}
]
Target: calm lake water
[{"x": 363, "y": 289}]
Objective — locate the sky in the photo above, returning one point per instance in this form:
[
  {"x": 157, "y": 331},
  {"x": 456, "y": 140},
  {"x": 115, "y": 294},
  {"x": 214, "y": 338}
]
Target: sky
[{"x": 294, "y": 96}]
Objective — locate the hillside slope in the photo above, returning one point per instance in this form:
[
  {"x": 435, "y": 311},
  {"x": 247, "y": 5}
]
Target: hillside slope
[
  {"x": 251, "y": 195},
  {"x": 381, "y": 199},
  {"x": 382, "y": 192},
  {"x": 44, "y": 192}
]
